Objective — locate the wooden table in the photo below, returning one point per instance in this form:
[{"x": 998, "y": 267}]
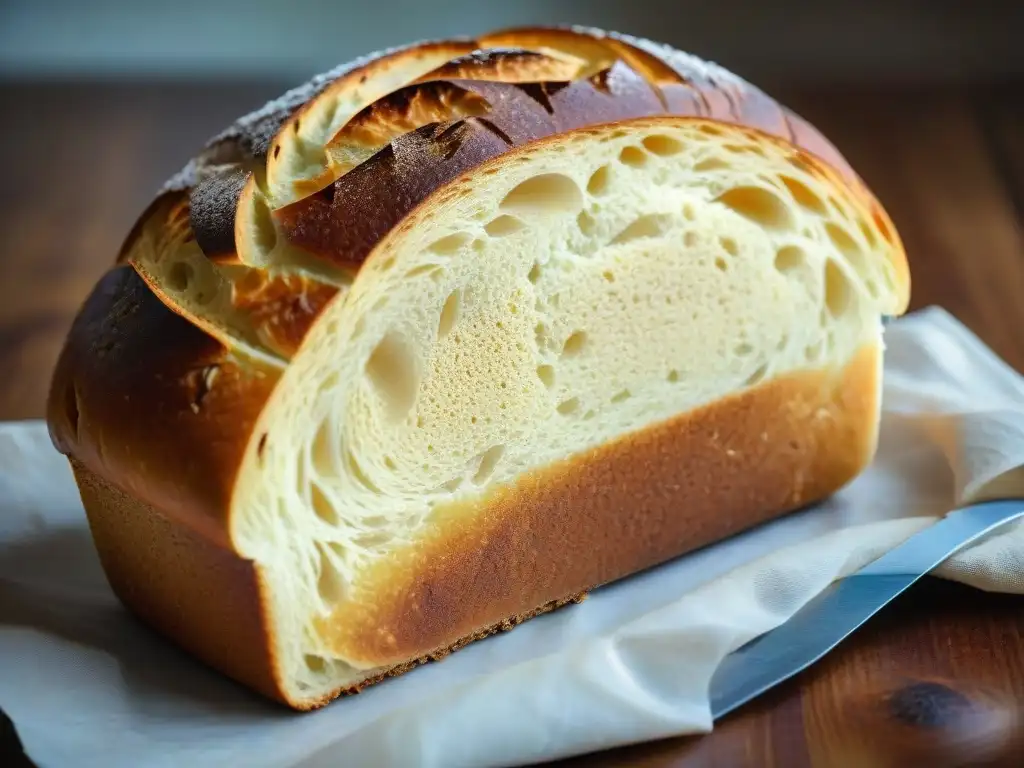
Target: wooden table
[{"x": 78, "y": 163}]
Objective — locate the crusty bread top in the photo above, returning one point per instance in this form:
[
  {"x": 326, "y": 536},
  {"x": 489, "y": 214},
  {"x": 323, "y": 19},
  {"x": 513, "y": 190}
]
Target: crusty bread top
[{"x": 228, "y": 268}]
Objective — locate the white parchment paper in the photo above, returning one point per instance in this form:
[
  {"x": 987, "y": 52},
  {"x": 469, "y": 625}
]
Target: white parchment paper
[{"x": 88, "y": 686}]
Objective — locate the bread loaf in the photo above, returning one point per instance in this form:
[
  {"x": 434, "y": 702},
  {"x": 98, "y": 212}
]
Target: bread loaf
[{"x": 458, "y": 332}]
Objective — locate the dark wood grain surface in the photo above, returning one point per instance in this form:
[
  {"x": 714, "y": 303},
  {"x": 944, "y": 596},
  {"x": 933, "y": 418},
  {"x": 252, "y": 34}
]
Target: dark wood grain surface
[{"x": 937, "y": 679}]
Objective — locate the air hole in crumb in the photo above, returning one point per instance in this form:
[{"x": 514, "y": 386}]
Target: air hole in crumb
[
  {"x": 574, "y": 344},
  {"x": 710, "y": 164},
  {"x": 358, "y": 474},
  {"x": 330, "y": 584},
  {"x": 839, "y": 294},
  {"x": 759, "y": 205},
  {"x": 314, "y": 663},
  {"x": 534, "y": 275},
  {"x": 869, "y": 235},
  {"x": 690, "y": 239},
  {"x": 688, "y": 212},
  {"x": 424, "y": 269},
  {"x": 756, "y": 376},
  {"x": 488, "y": 462},
  {"x": 743, "y": 349},
  {"x": 264, "y": 234},
  {"x": 586, "y": 223},
  {"x": 261, "y": 445},
  {"x": 549, "y": 192},
  {"x": 540, "y": 335},
  {"x": 801, "y": 164},
  {"x": 673, "y": 376},
  {"x": 622, "y": 396},
  {"x": 599, "y": 181},
  {"x": 633, "y": 157},
  {"x": 451, "y": 244},
  {"x": 449, "y": 314},
  {"x": 179, "y": 276},
  {"x": 662, "y": 145},
  {"x": 813, "y": 351},
  {"x": 803, "y": 195},
  {"x": 651, "y": 225},
  {"x": 570, "y": 406},
  {"x": 748, "y": 149},
  {"x": 503, "y": 225},
  {"x": 251, "y": 281},
  {"x": 789, "y": 259},
  {"x": 322, "y": 508},
  {"x": 392, "y": 371},
  {"x": 783, "y": 341},
  {"x": 710, "y": 130},
  {"x": 322, "y": 452},
  {"x": 842, "y": 240},
  {"x": 729, "y": 245},
  {"x": 608, "y": 275},
  {"x": 452, "y": 485},
  {"x": 390, "y": 463},
  {"x": 721, "y": 264},
  {"x": 546, "y": 374}
]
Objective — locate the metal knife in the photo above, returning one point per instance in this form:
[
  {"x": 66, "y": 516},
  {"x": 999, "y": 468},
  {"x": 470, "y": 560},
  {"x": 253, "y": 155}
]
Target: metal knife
[{"x": 837, "y": 612}]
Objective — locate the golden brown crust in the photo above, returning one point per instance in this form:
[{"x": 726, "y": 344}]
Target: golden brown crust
[
  {"x": 147, "y": 400},
  {"x": 194, "y": 591},
  {"x": 615, "y": 510}
]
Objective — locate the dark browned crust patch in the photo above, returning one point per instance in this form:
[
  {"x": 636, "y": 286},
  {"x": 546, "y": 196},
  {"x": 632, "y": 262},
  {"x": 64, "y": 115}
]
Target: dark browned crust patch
[
  {"x": 130, "y": 367},
  {"x": 212, "y": 205}
]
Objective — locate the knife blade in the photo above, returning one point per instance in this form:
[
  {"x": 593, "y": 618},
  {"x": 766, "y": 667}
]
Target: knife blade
[{"x": 832, "y": 616}]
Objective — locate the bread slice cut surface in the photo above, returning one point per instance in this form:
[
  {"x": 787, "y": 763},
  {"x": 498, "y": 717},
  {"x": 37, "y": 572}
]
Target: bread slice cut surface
[{"x": 577, "y": 293}]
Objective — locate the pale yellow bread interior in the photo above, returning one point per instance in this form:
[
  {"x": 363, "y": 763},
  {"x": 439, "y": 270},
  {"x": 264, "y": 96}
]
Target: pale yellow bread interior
[{"x": 570, "y": 292}]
